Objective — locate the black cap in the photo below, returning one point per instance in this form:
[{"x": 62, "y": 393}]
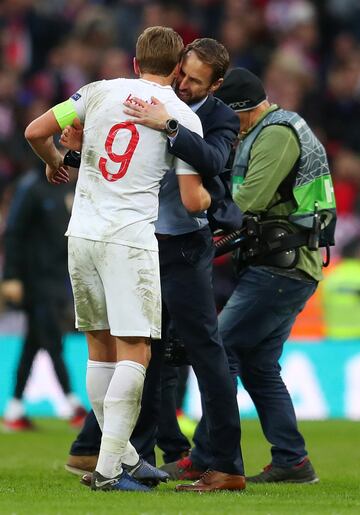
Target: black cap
[{"x": 241, "y": 90}]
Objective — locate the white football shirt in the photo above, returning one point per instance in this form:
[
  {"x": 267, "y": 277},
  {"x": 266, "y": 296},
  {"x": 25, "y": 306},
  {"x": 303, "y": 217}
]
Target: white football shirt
[{"x": 122, "y": 164}]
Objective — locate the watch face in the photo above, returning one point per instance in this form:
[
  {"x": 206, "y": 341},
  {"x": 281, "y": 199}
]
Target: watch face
[{"x": 171, "y": 125}]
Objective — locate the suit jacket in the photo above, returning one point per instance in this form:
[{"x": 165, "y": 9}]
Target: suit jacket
[{"x": 209, "y": 156}]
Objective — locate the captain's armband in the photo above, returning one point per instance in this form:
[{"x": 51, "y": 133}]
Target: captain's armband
[{"x": 65, "y": 113}]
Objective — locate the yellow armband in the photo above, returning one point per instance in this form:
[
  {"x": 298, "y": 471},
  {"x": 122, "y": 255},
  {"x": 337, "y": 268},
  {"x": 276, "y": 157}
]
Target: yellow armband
[{"x": 65, "y": 113}]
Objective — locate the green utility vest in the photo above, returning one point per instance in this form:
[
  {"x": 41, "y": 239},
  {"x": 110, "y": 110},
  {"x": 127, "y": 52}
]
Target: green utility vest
[{"x": 311, "y": 186}]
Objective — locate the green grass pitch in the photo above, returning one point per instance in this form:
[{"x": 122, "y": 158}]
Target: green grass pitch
[{"x": 33, "y": 480}]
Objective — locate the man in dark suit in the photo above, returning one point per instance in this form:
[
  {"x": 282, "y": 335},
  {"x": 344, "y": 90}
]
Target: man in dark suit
[
  {"x": 186, "y": 255},
  {"x": 35, "y": 279}
]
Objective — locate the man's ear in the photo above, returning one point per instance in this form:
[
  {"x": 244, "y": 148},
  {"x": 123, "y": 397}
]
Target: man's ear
[
  {"x": 136, "y": 66},
  {"x": 216, "y": 85},
  {"x": 176, "y": 70},
  {"x": 175, "y": 74}
]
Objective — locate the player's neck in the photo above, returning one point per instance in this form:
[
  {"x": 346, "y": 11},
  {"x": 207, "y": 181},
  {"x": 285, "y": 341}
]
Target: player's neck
[{"x": 163, "y": 81}]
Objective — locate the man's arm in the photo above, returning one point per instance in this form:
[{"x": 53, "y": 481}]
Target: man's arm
[
  {"x": 40, "y": 134},
  {"x": 209, "y": 155}
]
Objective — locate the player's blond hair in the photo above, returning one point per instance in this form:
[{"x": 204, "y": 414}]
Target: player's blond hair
[{"x": 158, "y": 50}]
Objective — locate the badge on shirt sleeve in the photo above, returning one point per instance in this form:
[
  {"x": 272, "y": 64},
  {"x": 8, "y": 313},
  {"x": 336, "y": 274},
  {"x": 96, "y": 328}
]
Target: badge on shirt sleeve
[{"x": 76, "y": 96}]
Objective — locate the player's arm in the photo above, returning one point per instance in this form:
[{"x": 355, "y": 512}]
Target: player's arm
[
  {"x": 40, "y": 135},
  {"x": 193, "y": 194},
  {"x": 208, "y": 155}
]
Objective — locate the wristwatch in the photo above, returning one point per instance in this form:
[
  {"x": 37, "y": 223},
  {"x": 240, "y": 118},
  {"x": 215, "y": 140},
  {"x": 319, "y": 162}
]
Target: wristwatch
[
  {"x": 171, "y": 126},
  {"x": 72, "y": 158}
]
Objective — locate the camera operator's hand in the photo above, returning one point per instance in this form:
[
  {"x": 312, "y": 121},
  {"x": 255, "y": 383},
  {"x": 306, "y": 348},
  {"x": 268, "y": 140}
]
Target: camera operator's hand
[
  {"x": 71, "y": 137},
  {"x": 12, "y": 291}
]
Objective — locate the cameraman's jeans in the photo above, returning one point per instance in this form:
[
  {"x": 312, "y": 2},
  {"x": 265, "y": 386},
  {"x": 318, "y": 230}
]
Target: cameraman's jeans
[{"x": 254, "y": 325}]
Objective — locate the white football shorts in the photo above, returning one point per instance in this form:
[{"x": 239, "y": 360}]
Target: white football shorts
[{"x": 115, "y": 287}]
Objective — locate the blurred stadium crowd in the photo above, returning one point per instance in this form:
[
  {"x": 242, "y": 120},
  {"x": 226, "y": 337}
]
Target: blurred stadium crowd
[{"x": 307, "y": 52}]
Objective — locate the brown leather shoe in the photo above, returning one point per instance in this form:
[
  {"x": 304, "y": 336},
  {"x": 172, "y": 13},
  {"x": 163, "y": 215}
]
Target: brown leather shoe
[
  {"x": 213, "y": 480},
  {"x": 79, "y": 465}
]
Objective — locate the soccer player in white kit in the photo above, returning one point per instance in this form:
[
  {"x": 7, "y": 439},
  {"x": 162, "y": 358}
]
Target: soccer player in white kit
[{"x": 113, "y": 259}]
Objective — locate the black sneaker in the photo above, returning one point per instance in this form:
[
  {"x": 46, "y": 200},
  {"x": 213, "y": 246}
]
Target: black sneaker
[
  {"x": 121, "y": 483},
  {"x": 303, "y": 472},
  {"x": 183, "y": 469},
  {"x": 146, "y": 473}
]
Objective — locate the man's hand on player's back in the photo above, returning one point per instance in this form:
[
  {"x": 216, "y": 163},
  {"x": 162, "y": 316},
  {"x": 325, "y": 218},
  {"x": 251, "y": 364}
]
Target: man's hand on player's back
[{"x": 152, "y": 115}]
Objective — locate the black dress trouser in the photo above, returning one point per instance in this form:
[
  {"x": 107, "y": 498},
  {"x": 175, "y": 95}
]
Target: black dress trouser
[{"x": 45, "y": 331}]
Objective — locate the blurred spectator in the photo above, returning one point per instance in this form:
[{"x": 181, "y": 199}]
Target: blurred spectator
[
  {"x": 287, "y": 81},
  {"x": 346, "y": 173},
  {"x": 341, "y": 294},
  {"x": 345, "y": 14},
  {"x": 176, "y": 17},
  {"x": 28, "y": 34},
  {"x": 346, "y": 167},
  {"x": 340, "y": 108},
  {"x": 294, "y": 25},
  {"x": 115, "y": 63},
  {"x": 243, "y": 32},
  {"x": 36, "y": 279}
]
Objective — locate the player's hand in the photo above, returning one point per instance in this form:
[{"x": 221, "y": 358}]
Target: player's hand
[
  {"x": 57, "y": 175},
  {"x": 12, "y": 291},
  {"x": 71, "y": 137},
  {"x": 152, "y": 115}
]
